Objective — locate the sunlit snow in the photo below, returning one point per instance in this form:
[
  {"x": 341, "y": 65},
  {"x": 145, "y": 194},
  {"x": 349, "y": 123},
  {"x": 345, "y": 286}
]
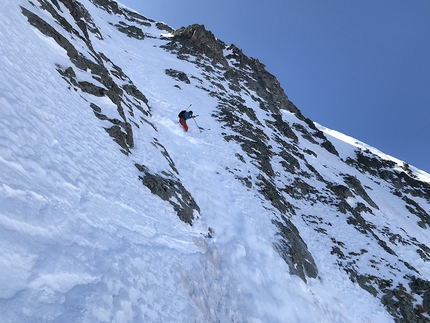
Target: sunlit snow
[{"x": 83, "y": 240}]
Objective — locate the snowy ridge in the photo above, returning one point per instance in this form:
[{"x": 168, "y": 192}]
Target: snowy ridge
[
  {"x": 421, "y": 175},
  {"x": 110, "y": 212}
]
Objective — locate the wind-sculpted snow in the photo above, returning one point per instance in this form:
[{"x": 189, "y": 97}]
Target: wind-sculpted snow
[{"x": 110, "y": 212}]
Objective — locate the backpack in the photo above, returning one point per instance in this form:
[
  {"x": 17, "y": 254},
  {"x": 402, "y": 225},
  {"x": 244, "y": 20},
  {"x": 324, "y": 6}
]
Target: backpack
[{"x": 182, "y": 114}]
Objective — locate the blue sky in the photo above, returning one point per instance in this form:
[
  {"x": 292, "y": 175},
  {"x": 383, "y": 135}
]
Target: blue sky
[{"x": 358, "y": 67}]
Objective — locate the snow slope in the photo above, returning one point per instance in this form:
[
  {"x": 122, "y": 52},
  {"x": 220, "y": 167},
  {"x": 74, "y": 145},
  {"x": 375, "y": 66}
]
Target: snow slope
[{"x": 83, "y": 240}]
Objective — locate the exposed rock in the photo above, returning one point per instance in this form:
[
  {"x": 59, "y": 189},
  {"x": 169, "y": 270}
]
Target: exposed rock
[
  {"x": 341, "y": 191},
  {"x": 416, "y": 209},
  {"x": 196, "y": 40},
  {"x": 355, "y": 185},
  {"x": 421, "y": 287},
  {"x": 172, "y": 191},
  {"x": 90, "y": 88},
  {"x": 130, "y": 31},
  {"x": 178, "y": 75},
  {"x": 132, "y": 90},
  {"x": 294, "y": 250},
  {"x": 108, "y": 5},
  {"x": 121, "y": 130},
  {"x": 165, "y": 27},
  {"x": 399, "y": 304}
]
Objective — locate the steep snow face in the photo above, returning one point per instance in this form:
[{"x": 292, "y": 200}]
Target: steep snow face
[{"x": 110, "y": 212}]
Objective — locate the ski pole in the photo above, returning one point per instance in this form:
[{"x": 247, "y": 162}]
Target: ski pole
[{"x": 197, "y": 125}]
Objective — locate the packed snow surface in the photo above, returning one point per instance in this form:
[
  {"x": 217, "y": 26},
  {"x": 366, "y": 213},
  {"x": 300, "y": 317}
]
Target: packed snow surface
[{"x": 83, "y": 240}]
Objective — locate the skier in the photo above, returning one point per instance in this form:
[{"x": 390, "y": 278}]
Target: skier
[{"x": 184, "y": 116}]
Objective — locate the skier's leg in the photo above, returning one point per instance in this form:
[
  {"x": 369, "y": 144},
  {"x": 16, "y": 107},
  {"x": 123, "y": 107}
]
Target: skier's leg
[{"x": 183, "y": 122}]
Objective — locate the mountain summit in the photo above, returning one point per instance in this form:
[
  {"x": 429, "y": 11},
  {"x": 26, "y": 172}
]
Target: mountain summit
[{"x": 110, "y": 212}]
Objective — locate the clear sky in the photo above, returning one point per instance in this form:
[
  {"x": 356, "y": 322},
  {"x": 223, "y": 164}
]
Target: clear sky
[{"x": 359, "y": 67}]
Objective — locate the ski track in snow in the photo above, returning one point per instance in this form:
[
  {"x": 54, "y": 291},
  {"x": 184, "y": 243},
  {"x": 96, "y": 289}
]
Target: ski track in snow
[{"x": 84, "y": 241}]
